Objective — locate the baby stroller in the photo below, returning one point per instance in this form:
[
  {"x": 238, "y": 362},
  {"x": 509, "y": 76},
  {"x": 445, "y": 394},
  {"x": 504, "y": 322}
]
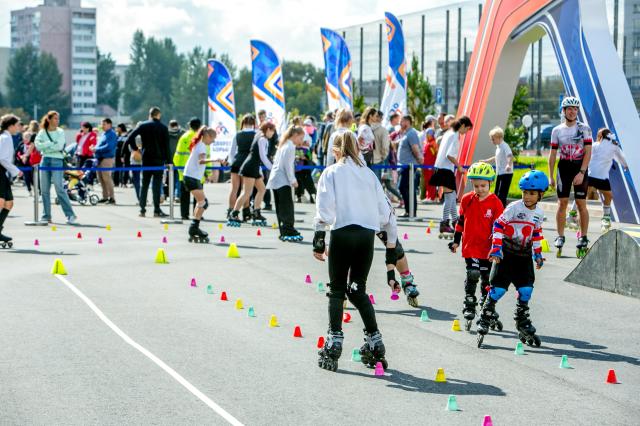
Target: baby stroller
[{"x": 75, "y": 183}]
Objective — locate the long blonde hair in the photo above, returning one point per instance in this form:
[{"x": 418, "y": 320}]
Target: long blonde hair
[
  {"x": 289, "y": 133},
  {"x": 344, "y": 118},
  {"x": 346, "y": 144}
]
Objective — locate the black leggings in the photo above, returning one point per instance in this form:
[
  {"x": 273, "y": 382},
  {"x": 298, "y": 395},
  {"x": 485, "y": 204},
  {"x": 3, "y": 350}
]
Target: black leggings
[
  {"x": 350, "y": 257},
  {"x": 503, "y": 182},
  {"x": 284, "y": 210},
  {"x": 305, "y": 182}
]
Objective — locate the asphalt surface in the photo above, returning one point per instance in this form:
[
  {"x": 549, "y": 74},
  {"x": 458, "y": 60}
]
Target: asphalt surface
[{"x": 60, "y": 363}]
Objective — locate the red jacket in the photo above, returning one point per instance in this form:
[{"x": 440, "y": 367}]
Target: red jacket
[
  {"x": 91, "y": 140},
  {"x": 476, "y": 224}
]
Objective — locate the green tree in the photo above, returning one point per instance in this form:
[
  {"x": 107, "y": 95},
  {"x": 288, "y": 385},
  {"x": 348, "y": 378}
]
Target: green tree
[
  {"x": 515, "y": 134},
  {"x": 2, "y": 101},
  {"x": 34, "y": 80},
  {"x": 189, "y": 89},
  {"x": 243, "y": 92},
  {"x": 108, "y": 84},
  {"x": 420, "y": 100},
  {"x": 358, "y": 99}
]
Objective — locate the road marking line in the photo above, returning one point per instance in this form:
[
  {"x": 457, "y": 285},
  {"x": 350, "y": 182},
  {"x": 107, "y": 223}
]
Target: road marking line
[{"x": 215, "y": 407}]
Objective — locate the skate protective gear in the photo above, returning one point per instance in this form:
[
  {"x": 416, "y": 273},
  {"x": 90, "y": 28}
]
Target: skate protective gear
[
  {"x": 534, "y": 180},
  {"x": 570, "y": 101},
  {"x": 481, "y": 170},
  {"x": 525, "y": 294},
  {"x": 473, "y": 276},
  {"x": 391, "y": 256},
  {"x": 496, "y": 293},
  {"x": 538, "y": 256},
  {"x": 319, "y": 245}
]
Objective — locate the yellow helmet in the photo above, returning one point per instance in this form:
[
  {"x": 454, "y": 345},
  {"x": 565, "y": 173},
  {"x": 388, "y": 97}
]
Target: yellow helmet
[{"x": 481, "y": 170}]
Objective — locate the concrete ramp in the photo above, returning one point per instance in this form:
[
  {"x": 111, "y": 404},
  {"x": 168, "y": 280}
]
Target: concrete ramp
[{"x": 612, "y": 264}]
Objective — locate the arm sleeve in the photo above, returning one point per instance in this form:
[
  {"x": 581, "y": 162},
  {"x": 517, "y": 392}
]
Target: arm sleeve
[
  {"x": 234, "y": 150},
  {"x": 498, "y": 233},
  {"x": 620, "y": 157},
  {"x": 325, "y": 203},
  {"x": 388, "y": 221},
  {"x": 289, "y": 164},
  {"x": 536, "y": 240},
  {"x": 263, "y": 147},
  {"x": 587, "y": 137}
]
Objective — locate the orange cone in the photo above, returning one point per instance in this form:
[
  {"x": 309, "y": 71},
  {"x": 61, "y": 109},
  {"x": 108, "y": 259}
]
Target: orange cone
[
  {"x": 428, "y": 231},
  {"x": 297, "y": 332}
]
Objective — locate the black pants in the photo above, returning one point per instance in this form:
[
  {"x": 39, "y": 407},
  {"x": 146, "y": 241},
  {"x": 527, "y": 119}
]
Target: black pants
[
  {"x": 477, "y": 270},
  {"x": 185, "y": 196},
  {"x": 117, "y": 176},
  {"x": 503, "y": 182},
  {"x": 404, "y": 189},
  {"x": 284, "y": 210},
  {"x": 155, "y": 189},
  {"x": 305, "y": 182},
  {"x": 350, "y": 257}
]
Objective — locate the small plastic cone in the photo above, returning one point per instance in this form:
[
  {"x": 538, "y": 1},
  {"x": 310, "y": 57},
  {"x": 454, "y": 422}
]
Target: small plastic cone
[
  {"x": 233, "y": 251},
  {"x": 424, "y": 316},
  {"x": 222, "y": 239},
  {"x": 99, "y": 240},
  {"x": 166, "y": 227},
  {"x": 161, "y": 257},
  {"x": 36, "y": 243},
  {"x": 273, "y": 321},
  {"x": 307, "y": 279},
  {"x": 405, "y": 236},
  {"x": 274, "y": 226},
  {"x": 320, "y": 287},
  {"x": 379, "y": 369},
  {"x": 297, "y": 332},
  {"x": 209, "y": 289},
  {"x": 455, "y": 326},
  {"x": 372, "y": 299},
  {"x": 258, "y": 233},
  {"x": 545, "y": 246},
  {"x": 53, "y": 228},
  {"x": 139, "y": 234},
  {"x": 219, "y": 227},
  {"x": 239, "y": 304},
  {"x": 223, "y": 296},
  {"x": 519, "y": 349},
  {"x": 193, "y": 282},
  {"x": 487, "y": 421},
  {"x": 394, "y": 296},
  {"x": 108, "y": 228},
  {"x": 355, "y": 355},
  {"x": 164, "y": 240},
  {"x": 79, "y": 236},
  {"x": 431, "y": 224},
  {"x": 611, "y": 377},
  {"x": 251, "y": 312},
  {"x": 564, "y": 362},
  {"x": 452, "y": 403},
  {"x": 320, "y": 343},
  {"x": 440, "y": 377},
  {"x": 346, "y": 317},
  {"x": 428, "y": 231},
  {"x": 58, "y": 269}
]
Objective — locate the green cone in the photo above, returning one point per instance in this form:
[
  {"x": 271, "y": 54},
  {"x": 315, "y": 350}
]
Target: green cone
[
  {"x": 519, "y": 349},
  {"x": 251, "y": 312},
  {"x": 320, "y": 288},
  {"x": 452, "y": 404},
  {"x": 424, "y": 316},
  {"x": 209, "y": 289},
  {"x": 564, "y": 362},
  {"x": 355, "y": 355}
]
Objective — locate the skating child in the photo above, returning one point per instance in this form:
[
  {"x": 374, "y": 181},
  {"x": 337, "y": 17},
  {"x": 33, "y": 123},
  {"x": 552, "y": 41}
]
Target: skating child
[
  {"x": 516, "y": 247},
  {"x": 192, "y": 180},
  {"x": 282, "y": 178},
  {"x": 400, "y": 263},
  {"x": 478, "y": 211},
  {"x": 8, "y": 171},
  {"x": 352, "y": 204}
]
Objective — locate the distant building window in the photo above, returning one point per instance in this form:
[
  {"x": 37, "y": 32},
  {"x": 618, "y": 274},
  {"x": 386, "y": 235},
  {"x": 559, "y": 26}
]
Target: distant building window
[
  {"x": 84, "y": 61},
  {"x": 85, "y": 49}
]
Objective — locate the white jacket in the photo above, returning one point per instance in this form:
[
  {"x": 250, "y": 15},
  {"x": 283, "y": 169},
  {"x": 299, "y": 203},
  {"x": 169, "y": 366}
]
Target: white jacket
[{"x": 7, "y": 154}]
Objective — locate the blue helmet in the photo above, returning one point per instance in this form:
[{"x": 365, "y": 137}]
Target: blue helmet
[{"x": 534, "y": 180}]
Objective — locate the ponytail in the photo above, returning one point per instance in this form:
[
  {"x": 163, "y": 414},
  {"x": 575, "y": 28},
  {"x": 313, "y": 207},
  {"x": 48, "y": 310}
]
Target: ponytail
[
  {"x": 7, "y": 121},
  {"x": 46, "y": 120},
  {"x": 204, "y": 130},
  {"x": 346, "y": 144},
  {"x": 289, "y": 133},
  {"x": 462, "y": 121}
]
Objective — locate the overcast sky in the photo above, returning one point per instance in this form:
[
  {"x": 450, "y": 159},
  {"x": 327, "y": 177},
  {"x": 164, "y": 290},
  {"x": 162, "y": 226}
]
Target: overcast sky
[{"x": 292, "y": 28}]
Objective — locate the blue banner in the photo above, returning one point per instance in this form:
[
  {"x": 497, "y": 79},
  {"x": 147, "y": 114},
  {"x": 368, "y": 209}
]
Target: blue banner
[
  {"x": 395, "y": 89},
  {"x": 268, "y": 85},
  {"x": 222, "y": 110},
  {"x": 337, "y": 66}
]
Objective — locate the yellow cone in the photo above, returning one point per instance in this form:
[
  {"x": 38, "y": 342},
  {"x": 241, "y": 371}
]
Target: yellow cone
[
  {"x": 431, "y": 224},
  {"x": 440, "y": 377},
  {"x": 53, "y": 228},
  {"x": 219, "y": 227},
  {"x": 166, "y": 226},
  {"x": 273, "y": 321},
  {"x": 239, "y": 304},
  {"x": 233, "y": 251},
  {"x": 161, "y": 257},
  {"x": 545, "y": 246},
  {"x": 455, "y": 326},
  {"x": 274, "y": 226},
  {"x": 58, "y": 268},
  {"x": 108, "y": 227}
]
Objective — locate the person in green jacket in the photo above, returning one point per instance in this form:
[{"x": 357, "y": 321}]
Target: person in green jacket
[
  {"x": 180, "y": 160},
  {"x": 50, "y": 141}
]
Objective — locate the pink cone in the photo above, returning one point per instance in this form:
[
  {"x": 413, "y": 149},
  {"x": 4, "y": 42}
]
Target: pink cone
[
  {"x": 394, "y": 296},
  {"x": 487, "y": 421},
  {"x": 221, "y": 239},
  {"x": 405, "y": 236},
  {"x": 193, "y": 282},
  {"x": 36, "y": 243},
  {"x": 379, "y": 369},
  {"x": 372, "y": 299},
  {"x": 164, "y": 240},
  {"x": 99, "y": 240},
  {"x": 308, "y": 279}
]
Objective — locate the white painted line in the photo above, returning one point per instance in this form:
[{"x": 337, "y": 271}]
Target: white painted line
[{"x": 215, "y": 407}]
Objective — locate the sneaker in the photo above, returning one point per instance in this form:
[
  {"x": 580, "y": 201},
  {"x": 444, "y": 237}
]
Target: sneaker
[
  {"x": 72, "y": 220},
  {"x": 111, "y": 201},
  {"x": 142, "y": 214},
  {"x": 103, "y": 201},
  {"x": 160, "y": 214}
]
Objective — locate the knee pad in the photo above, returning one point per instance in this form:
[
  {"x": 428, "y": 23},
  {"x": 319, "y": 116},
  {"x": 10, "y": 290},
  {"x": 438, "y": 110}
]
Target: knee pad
[
  {"x": 473, "y": 276},
  {"x": 497, "y": 292},
  {"x": 201, "y": 204},
  {"x": 206, "y": 204},
  {"x": 383, "y": 237},
  {"x": 358, "y": 298},
  {"x": 524, "y": 293},
  {"x": 399, "y": 251}
]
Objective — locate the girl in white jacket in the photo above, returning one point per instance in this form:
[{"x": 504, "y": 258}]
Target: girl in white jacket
[{"x": 8, "y": 171}]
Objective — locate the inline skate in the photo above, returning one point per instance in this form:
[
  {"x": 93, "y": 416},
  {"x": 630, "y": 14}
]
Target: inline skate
[
  {"x": 373, "y": 350},
  {"x": 526, "y": 330},
  {"x": 246, "y": 214},
  {"x": 258, "y": 219},
  {"x": 484, "y": 322},
  {"x": 582, "y": 247},
  {"x": 291, "y": 236},
  {"x": 446, "y": 230},
  {"x": 469, "y": 310},
  {"x": 410, "y": 290},
  {"x": 605, "y": 224},
  {"x": 331, "y": 351},
  {"x": 559, "y": 243},
  {"x": 234, "y": 219},
  {"x": 197, "y": 235},
  {"x": 494, "y": 322},
  {"x": 5, "y": 241}
]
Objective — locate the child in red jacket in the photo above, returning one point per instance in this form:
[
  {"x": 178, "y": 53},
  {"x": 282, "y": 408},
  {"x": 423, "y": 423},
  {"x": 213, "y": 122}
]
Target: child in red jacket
[{"x": 478, "y": 210}]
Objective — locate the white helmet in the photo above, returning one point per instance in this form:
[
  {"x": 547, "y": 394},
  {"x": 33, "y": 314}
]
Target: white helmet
[{"x": 570, "y": 101}]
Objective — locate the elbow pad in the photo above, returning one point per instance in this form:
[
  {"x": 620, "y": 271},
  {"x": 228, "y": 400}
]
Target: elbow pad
[{"x": 319, "y": 245}]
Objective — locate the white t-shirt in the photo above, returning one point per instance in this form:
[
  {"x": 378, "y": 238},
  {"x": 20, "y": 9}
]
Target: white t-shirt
[
  {"x": 449, "y": 146},
  {"x": 366, "y": 134},
  {"x": 602, "y": 156},
  {"x": 194, "y": 169},
  {"x": 503, "y": 151}
]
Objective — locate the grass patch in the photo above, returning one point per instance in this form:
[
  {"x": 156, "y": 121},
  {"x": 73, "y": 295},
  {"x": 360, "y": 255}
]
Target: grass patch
[{"x": 536, "y": 163}]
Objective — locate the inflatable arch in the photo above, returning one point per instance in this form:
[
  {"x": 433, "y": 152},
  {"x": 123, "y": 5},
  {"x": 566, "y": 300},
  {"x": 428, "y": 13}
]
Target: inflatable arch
[{"x": 590, "y": 68}]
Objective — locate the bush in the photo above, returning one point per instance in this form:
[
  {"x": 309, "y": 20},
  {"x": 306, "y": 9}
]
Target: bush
[{"x": 537, "y": 163}]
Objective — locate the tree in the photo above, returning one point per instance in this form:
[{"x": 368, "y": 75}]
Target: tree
[
  {"x": 243, "y": 92},
  {"x": 515, "y": 134},
  {"x": 108, "y": 84},
  {"x": 189, "y": 90},
  {"x": 358, "y": 99},
  {"x": 1, "y": 100},
  {"x": 34, "y": 81},
  {"x": 420, "y": 101}
]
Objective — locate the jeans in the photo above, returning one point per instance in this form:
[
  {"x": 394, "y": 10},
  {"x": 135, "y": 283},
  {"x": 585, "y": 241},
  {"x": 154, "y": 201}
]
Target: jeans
[
  {"x": 55, "y": 177},
  {"x": 155, "y": 189},
  {"x": 135, "y": 178},
  {"x": 404, "y": 189}
]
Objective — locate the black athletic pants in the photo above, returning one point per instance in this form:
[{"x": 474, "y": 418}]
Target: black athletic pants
[
  {"x": 185, "y": 196},
  {"x": 305, "y": 182},
  {"x": 155, "y": 189},
  {"x": 350, "y": 257},
  {"x": 502, "y": 187},
  {"x": 284, "y": 210}
]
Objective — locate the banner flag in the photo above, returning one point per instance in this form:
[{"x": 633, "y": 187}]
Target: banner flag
[
  {"x": 337, "y": 66},
  {"x": 394, "y": 98},
  {"x": 222, "y": 110}
]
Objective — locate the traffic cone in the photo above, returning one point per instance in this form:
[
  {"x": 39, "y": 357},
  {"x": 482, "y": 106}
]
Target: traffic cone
[
  {"x": 320, "y": 343},
  {"x": 251, "y": 313},
  {"x": 611, "y": 377},
  {"x": 222, "y": 239},
  {"x": 394, "y": 295},
  {"x": 297, "y": 332},
  {"x": 320, "y": 288},
  {"x": 487, "y": 421},
  {"x": 273, "y": 321},
  {"x": 161, "y": 257},
  {"x": 79, "y": 236},
  {"x": 431, "y": 224},
  {"x": 545, "y": 246},
  {"x": 379, "y": 369},
  {"x": 274, "y": 226},
  {"x": 307, "y": 279},
  {"x": 405, "y": 236},
  {"x": 355, "y": 355},
  {"x": 233, "y": 251},
  {"x": 452, "y": 404},
  {"x": 428, "y": 231},
  {"x": 440, "y": 377},
  {"x": 519, "y": 349},
  {"x": 564, "y": 362},
  {"x": 166, "y": 226},
  {"x": 346, "y": 317},
  {"x": 58, "y": 269},
  {"x": 219, "y": 227},
  {"x": 424, "y": 316},
  {"x": 36, "y": 243},
  {"x": 139, "y": 234},
  {"x": 108, "y": 227},
  {"x": 164, "y": 240},
  {"x": 258, "y": 234},
  {"x": 53, "y": 228},
  {"x": 193, "y": 282},
  {"x": 455, "y": 326},
  {"x": 239, "y": 305},
  {"x": 372, "y": 299},
  {"x": 99, "y": 240},
  {"x": 223, "y": 296},
  {"x": 209, "y": 289}
]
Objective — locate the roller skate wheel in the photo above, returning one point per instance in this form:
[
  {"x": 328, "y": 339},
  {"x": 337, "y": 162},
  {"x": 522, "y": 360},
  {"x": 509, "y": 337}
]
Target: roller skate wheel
[
  {"x": 413, "y": 301},
  {"x": 499, "y": 325},
  {"x": 522, "y": 337},
  {"x": 440, "y": 236},
  {"x": 559, "y": 253},
  {"x": 190, "y": 239},
  {"x": 480, "y": 339},
  {"x": 467, "y": 325},
  {"x": 536, "y": 341}
]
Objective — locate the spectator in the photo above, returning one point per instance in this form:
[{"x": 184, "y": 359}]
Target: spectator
[
  {"x": 155, "y": 153},
  {"x": 366, "y": 139},
  {"x": 29, "y": 156},
  {"x": 380, "y": 144},
  {"x": 409, "y": 153},
  {"x": 504, "y": 164},
  {"x": 441, "y": 125},
  {"x": 86, "y": 140},
  {"x": 444, "y": 127},
  {"x": 135, "y": 161},
  {"x": 122, "y": 160},
  {"x": 17, "y": 137},
  {"x": 429, "y": 154},
  {"x": 344, "y": 120},
  {"x": 175, "y": 133},
  {"x": 50, "y": 141},
  {"x": 105, "y": 153},
  {"x": 324, "y": 131},
  {"x": 394, "y": 121}
]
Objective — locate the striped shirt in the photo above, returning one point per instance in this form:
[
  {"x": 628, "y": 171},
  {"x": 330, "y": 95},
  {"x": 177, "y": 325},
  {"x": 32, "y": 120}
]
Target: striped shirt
[{"x": 518, "y": 230}]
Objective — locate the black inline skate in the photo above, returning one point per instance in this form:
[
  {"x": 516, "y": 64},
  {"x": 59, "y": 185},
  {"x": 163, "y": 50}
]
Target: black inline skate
[
  {"x": 197, "y": 235},
  {"x": 291, "y": 236},
  {"x": 258, "y": 219},
  {"x": 469, "y": 310},
  {"x": 246, "y": 214},
  {"x": 494, "y": 323},
  {"x": 229, "y": 210},
  {"x": 234, "y": 219},
  {"x": 582, "y": 247},
  {"x": 5, "y": 241},
  {"x": 331, "y": 351},
  {"x": 484, "y": 322},
  {"x": 526, "y": 330},
  {"x": 410, "y": 290},
  {"x": 373, "y": 350}
]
